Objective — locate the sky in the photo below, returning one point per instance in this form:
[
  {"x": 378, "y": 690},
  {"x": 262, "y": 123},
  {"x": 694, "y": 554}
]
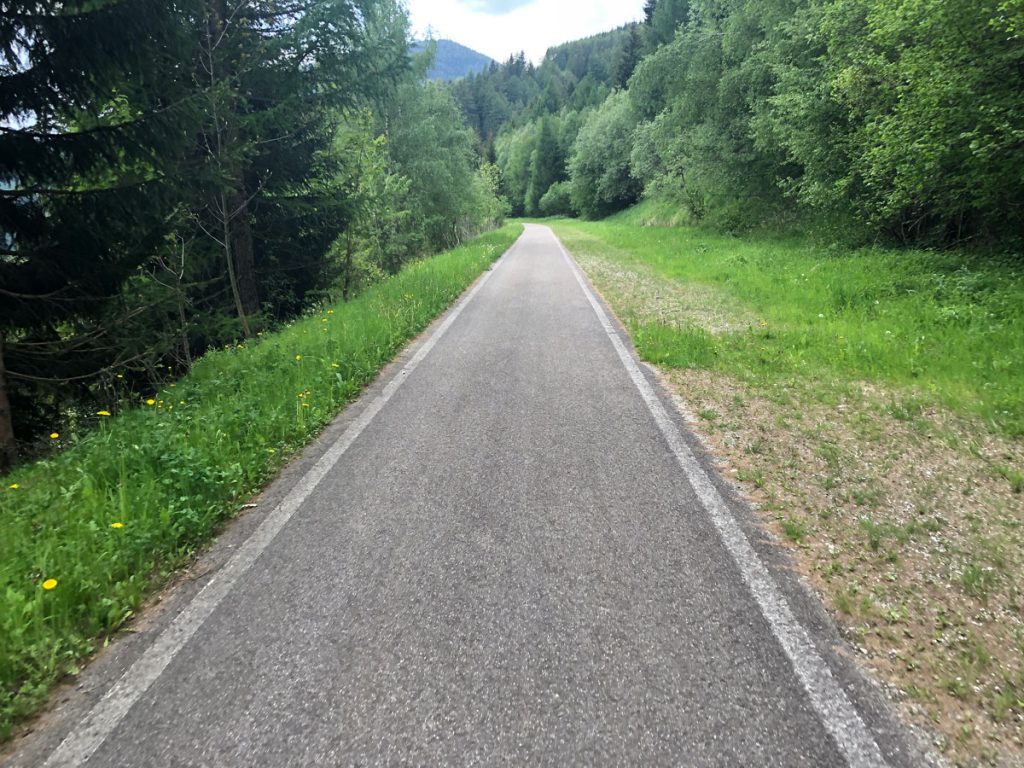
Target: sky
[{"x": 500, "y": 28}]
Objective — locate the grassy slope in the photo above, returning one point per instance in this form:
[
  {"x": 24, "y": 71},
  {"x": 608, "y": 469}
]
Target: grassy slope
[
  {"x": 946, "y": 325},
  {"x": 111, "y": 515},
  {"x": 872, "y": 406}
]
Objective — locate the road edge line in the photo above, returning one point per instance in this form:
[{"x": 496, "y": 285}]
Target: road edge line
[
  {"x": 834, "y": 708},
  {"x": 85, "y": 738}
]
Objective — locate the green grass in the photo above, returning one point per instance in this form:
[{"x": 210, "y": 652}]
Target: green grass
[
  {"x": 947, "y": 326},
  {"x": 109, "y": 517}
]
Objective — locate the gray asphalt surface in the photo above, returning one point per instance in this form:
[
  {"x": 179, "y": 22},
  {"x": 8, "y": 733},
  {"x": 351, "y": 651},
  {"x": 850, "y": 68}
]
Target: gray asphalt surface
[{"x": 506, "y": 567}]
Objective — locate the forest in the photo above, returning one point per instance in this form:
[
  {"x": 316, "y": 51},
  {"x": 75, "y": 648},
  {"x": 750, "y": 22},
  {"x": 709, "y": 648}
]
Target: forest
[
  {"x": 176, "y": 177},
  {"x": 855, "y": 120}
]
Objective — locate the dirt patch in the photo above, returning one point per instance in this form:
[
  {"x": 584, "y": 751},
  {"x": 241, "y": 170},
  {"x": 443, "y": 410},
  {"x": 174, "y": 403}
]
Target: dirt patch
[{"x": 902, "y": 515}]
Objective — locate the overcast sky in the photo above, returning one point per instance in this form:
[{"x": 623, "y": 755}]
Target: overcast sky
[{"x": 499, "y": 28}]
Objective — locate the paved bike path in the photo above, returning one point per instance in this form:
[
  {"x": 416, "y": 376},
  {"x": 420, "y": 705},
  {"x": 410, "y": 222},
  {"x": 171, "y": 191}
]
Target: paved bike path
[{"x": 505, "y": 565}]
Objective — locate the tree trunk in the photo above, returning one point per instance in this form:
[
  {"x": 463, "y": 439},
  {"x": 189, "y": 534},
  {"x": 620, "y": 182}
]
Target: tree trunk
[
  {"x": 242, "y": 250},
  {"x": 346, "y": 285},
  {"x": 8, "y": 448}
]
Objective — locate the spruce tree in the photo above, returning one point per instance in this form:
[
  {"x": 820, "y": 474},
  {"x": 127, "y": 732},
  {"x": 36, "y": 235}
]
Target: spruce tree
[{"x": 93, "y": 134}]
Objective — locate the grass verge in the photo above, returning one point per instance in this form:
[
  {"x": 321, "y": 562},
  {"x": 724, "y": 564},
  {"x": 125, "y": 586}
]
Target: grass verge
[
  {"x": 870, "y": 404},
  {"x": 89, "y": 533}
]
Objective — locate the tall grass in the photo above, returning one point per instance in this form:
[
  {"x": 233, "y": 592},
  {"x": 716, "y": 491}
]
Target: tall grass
[
  {"x": 948, "y": 325},
  {"x": 88, "y": 533}
]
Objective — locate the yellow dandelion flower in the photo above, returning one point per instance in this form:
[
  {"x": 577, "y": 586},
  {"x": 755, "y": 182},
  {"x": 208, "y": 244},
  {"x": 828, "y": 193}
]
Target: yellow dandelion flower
[
  {"x": 151, "y": 401},
  {"x": 117, "y": 525},
  {"x": 271, "y": 450},
  {"x": 14, "y": 486},
  {"x": 49, "y": 584},
  {"x": 298, "y": 357},
  {"x": 102, "y": 413},
  {"x": 330, "y": 311},
  {"x": 54, "y": 435},
  {"x": 335, "y": 365}
]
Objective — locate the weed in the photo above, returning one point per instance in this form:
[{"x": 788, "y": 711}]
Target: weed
[
  {"x": 874, "y": 531},
  {"x": 794, "y": 529},
  {"x": 754, "y": 476},
  {"x": 977, "y": 581},
  {"x": 1013, "y": 476}
]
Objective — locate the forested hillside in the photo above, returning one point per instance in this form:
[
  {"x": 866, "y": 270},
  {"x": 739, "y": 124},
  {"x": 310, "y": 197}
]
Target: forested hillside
[
  {"x": 451, "y": 60},
  {"x": 181, "y": 176},
  {"x": 866, "y": 119}
]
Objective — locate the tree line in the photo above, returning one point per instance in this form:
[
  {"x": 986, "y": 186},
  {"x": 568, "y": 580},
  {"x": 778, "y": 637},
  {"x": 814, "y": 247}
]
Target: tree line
[
  {"x": 896, "y": 120},
  {"x": 178, "y": 175}
]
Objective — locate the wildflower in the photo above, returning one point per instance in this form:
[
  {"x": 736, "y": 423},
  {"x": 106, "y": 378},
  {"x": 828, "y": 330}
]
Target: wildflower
[
  {"x": 102, "y": 413},
  {"x": 271, "y": 450},
  {"x": 335, "y": 365},
  {"x": 49, "y": 584},
  {"x": 330, "y": 311},
  {"x": 14, "y": 486},
  {"x": 298, "y": 357},
  {"x": 54, "y": 435},
  {"x": 120, "y": 375},
  {"x": 151, "y": 401},
  {"x": 117, "y": 525},
  {"x": 820, "y": 315}
]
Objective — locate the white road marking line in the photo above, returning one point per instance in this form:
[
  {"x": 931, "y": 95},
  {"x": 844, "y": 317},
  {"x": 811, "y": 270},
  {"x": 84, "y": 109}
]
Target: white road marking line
[
  {"x": 104, "y": 717},
  {"x": 834, "y": 708}
]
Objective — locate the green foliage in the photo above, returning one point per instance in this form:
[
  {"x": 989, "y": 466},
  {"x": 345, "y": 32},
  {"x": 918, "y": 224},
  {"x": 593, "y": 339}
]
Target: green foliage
[
  {"x": 557, "y": 201},
  {"x": 599, "y": 165},
  {"x": 547, "y": 166},
  {"x": 430, "y": 146},
  {"x": 111, "y": 515},
  {"x": 909, "y": 113}
]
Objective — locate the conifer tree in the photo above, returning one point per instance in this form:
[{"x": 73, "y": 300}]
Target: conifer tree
[{"x": 93, "y": 134}]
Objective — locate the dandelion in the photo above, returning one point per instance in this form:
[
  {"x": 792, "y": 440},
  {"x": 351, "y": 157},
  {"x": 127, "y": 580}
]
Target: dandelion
[
  {"x": 102, "y": 413},
  {"x": 271, "y": 450},
  {"x": 151, "y": 401},
  {"x": 14, "y": 486},
  {"x": 330, "y": 311},
  {"x": 117, "y": 525},
  {"x": 49, "y": 584},
  {"x": 54, "y": 435},
  {"x": 335, "y": 365},
  {"x": 298, "y": 357}
]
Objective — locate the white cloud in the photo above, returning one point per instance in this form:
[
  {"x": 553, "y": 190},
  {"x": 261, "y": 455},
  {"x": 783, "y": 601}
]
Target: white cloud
[{"x": 500, "y": 28}]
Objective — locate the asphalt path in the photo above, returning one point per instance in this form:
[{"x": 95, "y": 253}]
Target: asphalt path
[{"x": 509, "y": 552}]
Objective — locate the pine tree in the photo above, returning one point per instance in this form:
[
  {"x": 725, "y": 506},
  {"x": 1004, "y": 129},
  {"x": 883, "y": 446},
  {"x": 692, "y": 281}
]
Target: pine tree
[
  {"x": 277, "y": 74},
  {"x": 547, "y": 166},
  {"x": 93, "y": 116}
]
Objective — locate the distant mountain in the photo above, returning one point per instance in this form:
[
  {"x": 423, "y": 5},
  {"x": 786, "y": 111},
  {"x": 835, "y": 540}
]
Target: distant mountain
[{"x": 453, "y": 60}]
